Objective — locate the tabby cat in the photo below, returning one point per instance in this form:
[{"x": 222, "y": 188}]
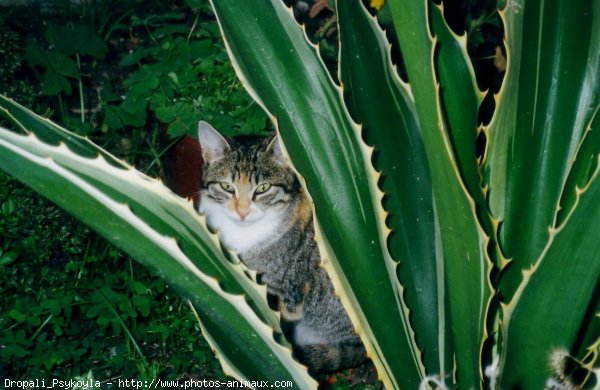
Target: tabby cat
[{"x": 257, "y": 205}]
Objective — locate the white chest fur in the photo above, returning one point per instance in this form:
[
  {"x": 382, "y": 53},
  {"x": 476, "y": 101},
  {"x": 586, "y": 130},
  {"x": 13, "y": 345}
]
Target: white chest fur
[{"x": 237, "y": 235}]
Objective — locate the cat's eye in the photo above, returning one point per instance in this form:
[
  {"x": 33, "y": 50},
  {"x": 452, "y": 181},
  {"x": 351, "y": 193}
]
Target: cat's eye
[
  {"x": 227, "y": 187},
  {"x": 262, "y": 188}
]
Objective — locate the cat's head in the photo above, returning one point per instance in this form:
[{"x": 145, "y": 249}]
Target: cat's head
[{"x": 243, "y": 180}]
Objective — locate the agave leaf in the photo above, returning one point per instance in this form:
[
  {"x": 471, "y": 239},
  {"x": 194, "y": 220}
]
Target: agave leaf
[
  {"x": 583, "y": 166},
  {"x": 593, "y": 351},
  {"x": 116, "y": 210},
  {"x": 383, "y": 104},
  {"x": 548, "y": 97},
  {"x": 461, "y": 240},
  {"x": 285, "y": 74},
  {"x": 51, "y": 133},
  {"x": 591, "y": 362},
  {"x": 168, "y": 214},
  {"x": 550, "y": 305},
  {"x": 589, "y": 334},
  {"x": 461, "y": 99}
]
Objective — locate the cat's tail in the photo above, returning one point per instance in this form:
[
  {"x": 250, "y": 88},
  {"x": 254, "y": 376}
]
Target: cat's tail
[{"x": 326, "y": 358}]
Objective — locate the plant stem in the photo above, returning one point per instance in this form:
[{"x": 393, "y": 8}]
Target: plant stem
[
  {"x": 81, "y": 105},
  {"x": 157, "y": 156},
  {"x": 114, "y": 25},
  {"x": 62, "y": 109},
  {"x": 81, "y": 267},
  {"x": 124, "y": 326},
  {"x": 131, "y": 270},
  {"x": 193, "y": 27},
  {"x": 37, "y": 332}
]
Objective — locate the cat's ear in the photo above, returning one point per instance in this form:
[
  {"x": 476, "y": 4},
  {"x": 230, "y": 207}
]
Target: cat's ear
[
  {"x": 275, "y": 148},
  {"x": 213, "y": 144}
]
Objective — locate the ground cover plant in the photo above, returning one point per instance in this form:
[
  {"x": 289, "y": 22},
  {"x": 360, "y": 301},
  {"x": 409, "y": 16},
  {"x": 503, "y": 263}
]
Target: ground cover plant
[
  {"x": 490, "y": 220},
  {"x": 72, "y": 305}
]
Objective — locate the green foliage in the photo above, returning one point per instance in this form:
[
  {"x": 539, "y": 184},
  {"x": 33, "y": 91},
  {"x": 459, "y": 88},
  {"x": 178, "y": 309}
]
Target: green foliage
[
  {"x": 456, "y": 267},
  {"x": 73, "y": 304},
  {"x": 55, "y": 276},
  {"x": 11, "y": 61},
  {"x": 167, "y": 69},
  {"x": 452, "y": 297},
  {"x": 11, "y": 57},
  {"x": 181, "y": 80},
  {"x": 61, "y": 61}
]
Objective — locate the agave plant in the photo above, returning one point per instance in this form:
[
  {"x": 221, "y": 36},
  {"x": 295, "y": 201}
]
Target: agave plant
[{"x": 475, "y": 270}]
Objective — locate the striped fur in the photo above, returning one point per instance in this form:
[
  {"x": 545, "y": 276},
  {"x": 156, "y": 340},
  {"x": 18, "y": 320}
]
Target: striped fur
[{"x": 257, "y": 205}]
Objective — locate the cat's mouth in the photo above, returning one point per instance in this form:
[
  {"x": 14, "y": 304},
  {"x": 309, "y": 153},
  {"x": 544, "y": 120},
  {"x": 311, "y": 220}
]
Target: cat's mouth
[{"x": 245, "y": 219}]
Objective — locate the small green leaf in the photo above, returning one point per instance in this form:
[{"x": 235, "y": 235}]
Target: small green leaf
[
  {"x": 35, "y": 55},
  {"x": 173, "y": 76},
  {"x": 133, "y": 104},
  {"x": 72, "y": 39},
  {"x": 8, "y": 257},
  {"x": 61, "y": 64},
  {"x": 139, "y": 287},
  {"x": 108, "y": 95},
  {"x": 111, "y": 118},
  {"x": 54, "y": 83},
  {"x": 17, "y": 315},
  {"x": 33, "y": 320},
  {"x": 144, "y": 87},
  {"x": 8, "y": 207},
  {"x": 133, "y": 57},
  {"x": 166, "y": 114},
  {"x": 136, "y": 119},
  {"x": 52, "y": 304},
  {"x": 142, "y": 304},
  {"x": 57, "y": 329},
  {"x": 179, "y": 128},
  {"x": 103, "y": 322},
  {"x": 14, "y": 350},
  {"x": 202, "y": 48}
]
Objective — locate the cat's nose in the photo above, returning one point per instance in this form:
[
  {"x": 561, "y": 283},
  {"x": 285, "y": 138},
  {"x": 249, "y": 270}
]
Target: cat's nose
[{"x": 243, "y": 213}]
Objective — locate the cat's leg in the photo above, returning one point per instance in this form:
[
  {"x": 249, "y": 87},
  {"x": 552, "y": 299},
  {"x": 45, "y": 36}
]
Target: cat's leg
[{"x": 325, "y": 352}]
